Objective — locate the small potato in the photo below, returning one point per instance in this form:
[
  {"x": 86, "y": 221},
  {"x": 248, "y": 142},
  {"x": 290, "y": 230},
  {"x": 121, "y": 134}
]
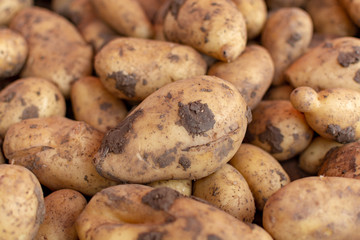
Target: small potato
[
  {"x": 281, "y": 92},
  {"x": 21, "y": 203},
  {"x": 286, "y": 35},
  {"x": 29, "y": 98},
  {"x": 62, "y": 209},
  {"x": 262, "y": 172},
  {"x": 9, "y": 8},
  {"x": 314, "y": 208},
  {"x": 278, "y": 128},
  {"x": 251, "y": 73},
  {"x": 332, "y": 113},
  {"x": 182, "y": 186},
  {"x": 228, "y": 190},
  {"x": 13, "y": 53},
  {"x": 352, "y": 7}
]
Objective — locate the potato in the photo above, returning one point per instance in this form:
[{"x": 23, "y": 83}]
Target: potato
[
  {"x": 89, "y": 95},
  {"x": 333, "y": 113},
  {"x": 9, "y": 8},
  {"x": 29, "y": 98},
  {"x": 314, "y": 208},
  {"x": 228, "y": 190},
  {"x": 13, "y": 53},
  {"x": 57, "y": 51},
  {"x": 262, "y": 172},
  {"x": 278, "y": 128},
  {"x": 286, "y": 35},
  {"x": 352, "y": 7},
  {"x": 59, "y": 153},
  {"x": 281, "y": 92},
  {"x": 312, "y": 157},
  {"x": 333, "y": 64},
  {"x": 275, "y": 4},
  {"x": 251, "y": 73},
  {"x": 182, "y": 186},
  {"x": 21, "y": 203},
  {"x": 185, "y": 130},
  {"x": 62, "y": 209},
  {"x": 138, "y": 212},
  {"x": 132, "y": 68},
  {"x": 214, "y": 27}
]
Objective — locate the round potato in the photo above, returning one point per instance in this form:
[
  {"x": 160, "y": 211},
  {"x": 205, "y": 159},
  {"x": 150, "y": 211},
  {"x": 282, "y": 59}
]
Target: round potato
[
  {"x": 182, "y": 186},
  {"x": 9, "y": 8}
]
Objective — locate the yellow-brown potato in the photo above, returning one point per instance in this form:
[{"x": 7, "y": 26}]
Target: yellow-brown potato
[
  {"x": 21, "y": 203},
  {"x": 13, "y": 53},
  {"x": 228, "y": 190},
  {"x": 185, "y": 130},
  {"x": 127, "y": 17},
  {"x": 132, "y": 69},
  {"x": 314, "y": 208},
  {"x": 275, "y": 4},
  {"x": 214, "y": 27},
  {"x": 262, "y": 172},
  {"x": 57, "y": 51},
  {"x": 251, "y": 73},
  {"x": 281, "y": 92},
  {"x": 62, "y": 209},
  {"x": 286, "y": 35},
  {"x": 352, "y": 7},
  {"x": 332, "y": 113},
  {"x": 29, "y": 98},
  {"x": 9, "y": 8},
  {"x": 182, "y": 186},
  {"x": 278, "y": 128},
  {"x": 138, "y": 212},
  {"x": 60, "y": 152},
  {"x": 312, "y": 157},
  {"x": 96, "y": 106}
]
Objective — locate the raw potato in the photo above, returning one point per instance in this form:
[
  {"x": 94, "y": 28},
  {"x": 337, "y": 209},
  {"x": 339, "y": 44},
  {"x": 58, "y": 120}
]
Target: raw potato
[
  {"x": 60, "y": 152},
  {"x": 57, "y": 51},
  {"x": 332, "y": 113},
  {"x": 9, "y": 8},
  {"x": 314, "y": 208},
  {"x": 286, "y": 35},
  {"x": 214, "y": 27},
  {"x": 281, "y": 92},
  {"x": 182, "y": 186},
  {"x": 21, "y": 203},
  {"x": 127, "y": 17},
  {"x": 251, "y": 73},
  {"x": 262, "y": 172},
  {"x": 88, "y": 95},
  {"x": 13, "y": 53},
  {"x": 312, "y": 157},
  {"x": 278, "y": 128},
  {"x": 29, "y": 98},
  {"x": 185, "y": 130},
  {"x": 132, "y": 68},
  {"x": 138, "y": 212},
  {"x": 228, "y": 190},
  {"x": 353, "y": 9}
]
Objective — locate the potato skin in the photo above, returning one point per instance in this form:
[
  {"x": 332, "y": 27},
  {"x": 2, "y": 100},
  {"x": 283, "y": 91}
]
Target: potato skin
[
  {"x": 314, "y": 208},
  {"x": 9, "y": 8}
]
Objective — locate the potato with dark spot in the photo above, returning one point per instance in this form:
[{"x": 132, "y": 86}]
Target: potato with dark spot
[
  {"x": 132, "y": 69},
  {"x": 185, "y": 130},
  {"x": 352, "y": 7},
  {"x": 138, "y": 212},
  {"x": 59, "y": 151},
  {"x": 278, "y": 128},
  {"x": 281, "y": 92},
  {"x": 21, "y": 203},
  {"x": 262, "y": 172},
  {"x": 62, "y": 209},
  {"x": 314, "y": 208},
  {"x": 228, "y": 190},
  {"x": 9, "y": 8},
  {"x": 182, "y": 186},
  {"x": 29, "y": 98}
]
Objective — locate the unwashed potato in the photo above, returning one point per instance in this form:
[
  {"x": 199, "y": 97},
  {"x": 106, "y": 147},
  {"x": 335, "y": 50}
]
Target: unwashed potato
[
  {"x": 353, "y": 9},
  {"x": 281, "y": 92},
  {"x": 251, "y": 73},
  {"x": 185, "y": 130},
  {"x": 60, "y": 152},
  {"x": 13, "y": 53},
  {"x": 286, "y": 35},
  {"x": 29, "y": 98},
  {"x": 88, "y": 95},
  {"x": 214, "y": 27},
  {"x": 262, "y": 172},
  {"x": 138, "y": 212},
  {"x": 332, "y": 113},
  {"x": 21, "y": 203},
  {"x": 9, "y": 8},
  {"x": 182, "y": 186},
  {"x": 314, "y": 208},
  {"x": 228, "y": 190},
  {"x": 132, "y": 69}
]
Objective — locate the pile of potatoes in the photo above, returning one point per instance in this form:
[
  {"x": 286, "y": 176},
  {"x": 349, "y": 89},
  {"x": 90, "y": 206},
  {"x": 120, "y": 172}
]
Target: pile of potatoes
[{"x": 179, "y": 119}]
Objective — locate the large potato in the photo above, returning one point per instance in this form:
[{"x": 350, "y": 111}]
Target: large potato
[
  {"x": 185, "y": 130},
  {"x": 9, "y": 8}
]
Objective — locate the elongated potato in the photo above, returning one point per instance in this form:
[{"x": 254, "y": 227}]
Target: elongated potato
[
  {"x": 9, "y": 8},
  {"x": 185, "y": 130},
  {"x": 182, "y": 186}
]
